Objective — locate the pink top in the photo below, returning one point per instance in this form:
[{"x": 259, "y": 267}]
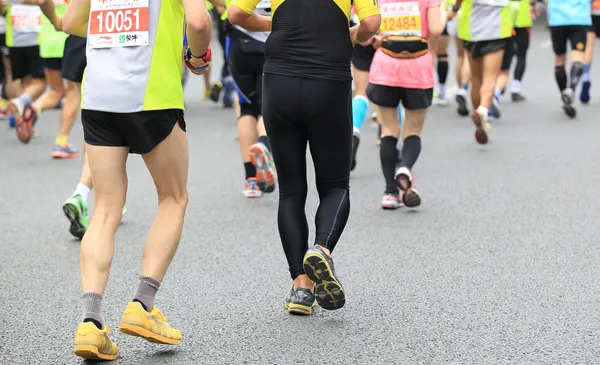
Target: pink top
[{"x": 404, "y": 17}]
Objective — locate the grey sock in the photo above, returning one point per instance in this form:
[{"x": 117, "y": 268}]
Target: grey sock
[
  {"x": 146, "y": 292},
  {"x": 92, "y": 307}
]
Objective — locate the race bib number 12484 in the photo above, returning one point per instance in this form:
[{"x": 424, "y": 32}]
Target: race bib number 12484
[{"x": 118, "y": 23}]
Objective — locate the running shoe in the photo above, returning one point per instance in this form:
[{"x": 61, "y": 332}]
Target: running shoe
[
  {"x": 92, "y": 343},
  {"x": 410, "y": 197},
  {"x": 320, "y": 269},
  {"x": 495, "y": 108},
  {"x": 300, "y": 301},
  {"x": 567, "y": 99},
  {"x": 355, "y": 143},
  {"x": 206, "y": 93},
  {"x": 251, "y": 189},
  {"x": 64, "y": 151},
  {"x": 585, "y": 92},
  {"x": 391, "y": 201},
  {"x": 215, "y": 91},
  {"x": 228, "y": 90},
  {"x": 152, "y": 326},
  {"x": 260, "y": 156},
  {"x": 483, "y": 126},
  {"x": 25, "y": 124},
  {"x": 441, "y": 100},
  {"x": 461, "y": 100},
  {"x": 517, "y": 97},
  {"x": 76, "y": 211}
]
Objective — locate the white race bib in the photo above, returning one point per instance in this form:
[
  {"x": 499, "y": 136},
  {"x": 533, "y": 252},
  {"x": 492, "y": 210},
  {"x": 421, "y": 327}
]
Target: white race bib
[
  {"x": 61, "y": 2},
  {"x": 118, "y": 23},
  {"x": 401, "y": 19},
  {"x": 26, "y": 18},
  {"x": 500, "y": 3}
]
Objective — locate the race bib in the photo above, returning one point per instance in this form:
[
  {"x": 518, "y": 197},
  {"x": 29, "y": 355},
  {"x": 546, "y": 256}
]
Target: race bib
[
  {"x": 264, "y": 4},
  {"x": 26, "y": 18},
  {"x": 61, "y": 2},
  {"x": 118, "y": 23},
  {"x": 500, "y": 3},
  {"x": 401, "y": 19}
]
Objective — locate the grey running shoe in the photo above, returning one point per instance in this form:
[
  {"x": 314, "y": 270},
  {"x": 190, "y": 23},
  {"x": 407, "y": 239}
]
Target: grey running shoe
[
  {"x": 319, "y": 268},
  {"x": 300, "y": 301}
]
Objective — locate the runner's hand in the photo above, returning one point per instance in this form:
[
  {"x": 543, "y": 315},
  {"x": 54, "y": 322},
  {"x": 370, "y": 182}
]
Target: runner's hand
[
  {"x": 534, "y": 11},
  {"x": 450, "y": 14},
  {"x": 3, "y": 7},
  {"x": 198, "y": 65}
]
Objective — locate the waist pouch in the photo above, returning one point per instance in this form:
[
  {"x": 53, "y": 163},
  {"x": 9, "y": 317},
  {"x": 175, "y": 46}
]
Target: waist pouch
[
  {"x": 251, "y": 46},
  {"x": 404, "y": 46}
]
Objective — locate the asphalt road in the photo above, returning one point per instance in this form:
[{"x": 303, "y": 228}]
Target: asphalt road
[{"x": 498, "y": 266}]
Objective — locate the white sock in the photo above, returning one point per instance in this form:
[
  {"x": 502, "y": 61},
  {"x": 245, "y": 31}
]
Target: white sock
[
  {"x": 483, "y": 111},
  {"x": 83, "y": 191},
  {"x": 356, "y": 131},
  {"x": 442, "y": 89},
  {"x": 516, "y": 86}
]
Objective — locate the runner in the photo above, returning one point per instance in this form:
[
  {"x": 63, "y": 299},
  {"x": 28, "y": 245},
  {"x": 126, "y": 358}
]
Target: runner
[
  {"x": 307, "y": 88},
  {"x": 516, "y": 45},
  {"x": 569, "y": 21},
  {"x": 462, "y": 69},
  {"x": 439, "y": 44},
  {"x": 130, "y": 105},
  {"x": 592, "y": 35},
  {"x": 246, "y": 55},
  {"x": 484, "y": 26},
  {"x": 402, "y": 71},
  {"x": 52, "y": 47},
  {"x": 26, "y": 64}
]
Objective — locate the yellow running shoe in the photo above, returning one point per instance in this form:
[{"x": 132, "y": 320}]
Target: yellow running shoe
[
  {"x": 152, "y": 325},
  {"x": 94, "y": 344}
]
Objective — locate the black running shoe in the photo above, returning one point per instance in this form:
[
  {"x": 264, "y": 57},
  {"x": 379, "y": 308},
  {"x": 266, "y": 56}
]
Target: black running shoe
[
  {"x": 319, "y": 268},
  {"x": 355, "y": 143},
  {"x": 300, "y": 301},
  {"x": 517, "y": 97},
  {"x": 215, "y": 91}
]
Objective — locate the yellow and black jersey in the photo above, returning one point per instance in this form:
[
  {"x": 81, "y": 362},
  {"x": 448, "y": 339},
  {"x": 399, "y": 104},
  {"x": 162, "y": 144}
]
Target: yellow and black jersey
[{"x": 310, "y": 38}]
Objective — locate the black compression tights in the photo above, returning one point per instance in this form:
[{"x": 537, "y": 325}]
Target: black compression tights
[
  {"x": 521, "y": 40},
  {"x": 298, "y": 112}
]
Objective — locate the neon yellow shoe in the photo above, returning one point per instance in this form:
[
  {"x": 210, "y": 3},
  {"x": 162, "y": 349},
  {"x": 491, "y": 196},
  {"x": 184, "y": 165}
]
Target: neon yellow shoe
[
  {"x": 94, "y": 344},
  {"x": 152, "y": 326}
]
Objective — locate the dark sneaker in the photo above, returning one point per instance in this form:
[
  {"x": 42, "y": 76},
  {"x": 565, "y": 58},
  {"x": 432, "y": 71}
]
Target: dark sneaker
[
  {"x": 355, "y": 143},
  {"x": 319, "y": 268},
  {"x": 300, "y": 301},
  {"x": 517, "y": 97}
]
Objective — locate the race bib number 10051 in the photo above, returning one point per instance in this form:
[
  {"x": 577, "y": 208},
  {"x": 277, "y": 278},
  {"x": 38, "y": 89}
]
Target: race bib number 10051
[
  {"x": 118, "y": 23},
  {"x": 26, "y": 18},
  {"x": 402, "y": 19}
]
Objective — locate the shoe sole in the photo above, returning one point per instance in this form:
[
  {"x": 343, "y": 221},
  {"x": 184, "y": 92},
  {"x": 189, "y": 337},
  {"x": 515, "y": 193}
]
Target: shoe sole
[
  {"x": 63, "y": 156},
  {"x": 411, "y": 198},
  {"x": 481, "y": 135},
  {"x": 265, "y": 178},
  {"x": 462, "y": 106},
  {"x": 298, "y": 309},
  {"x": 73, "y": 215},
  {"x": 89, "y": 352},
  {"x": 149, "y": 336},
  {"x": 328, "y": 290}
]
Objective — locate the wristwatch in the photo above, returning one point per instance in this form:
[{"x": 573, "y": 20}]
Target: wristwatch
[{"x": 455, "y": 9}]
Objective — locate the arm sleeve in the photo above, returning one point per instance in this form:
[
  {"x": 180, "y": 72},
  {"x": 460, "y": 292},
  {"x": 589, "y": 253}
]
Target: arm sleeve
[
  {"x": 366, "y": 8},
  {"x": 246, "y": 5}
]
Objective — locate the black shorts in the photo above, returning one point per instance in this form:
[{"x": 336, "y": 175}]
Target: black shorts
[
  {"x": 575, "y": 34},
  {"x": 53, "y": 63},
  {"x": 246, "y": 61},
  {"x": 509, "y": 52},
  {"x": 26, "y": 61},
  {"x": 3, "y": 47},
  {"x": 595, "y": 25},
  {"x": 141, "y": 131},
  {"x": 481, "y": 48},
  {"x": 362, "y": 56},
  {"x": 390, "y": 96},
  {"x": 74, "y": 60}
]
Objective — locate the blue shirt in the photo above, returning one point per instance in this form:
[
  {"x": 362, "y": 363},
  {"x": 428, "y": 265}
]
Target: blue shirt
[{"x": 569, "y": 12}]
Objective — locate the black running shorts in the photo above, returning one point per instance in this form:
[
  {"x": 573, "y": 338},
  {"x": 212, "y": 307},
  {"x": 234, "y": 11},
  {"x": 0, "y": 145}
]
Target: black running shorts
[
  {"x": 26, "y": 61},
  {"x": 53, "y": 63},
  {"x": 74, "y": 61},
  {"x": 595, "y": 25},
  {"x": 481, "y": 48},
  {"x": 141, "y": 131},
  {"x": 390, "y": 97},
  {"x": 362, "y": 56},
  {"x": 574, "y": 34}
]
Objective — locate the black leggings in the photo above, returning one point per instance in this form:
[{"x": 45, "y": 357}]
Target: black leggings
[
  {"x": 517, "y": 45},
  {"x": 298, "y": 111}
]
